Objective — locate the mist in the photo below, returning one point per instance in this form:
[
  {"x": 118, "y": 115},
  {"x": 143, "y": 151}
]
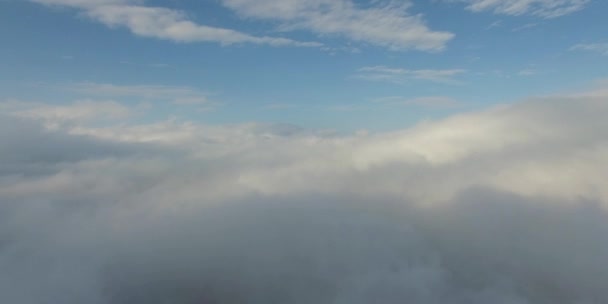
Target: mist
[{"x": 506, "y": 206}]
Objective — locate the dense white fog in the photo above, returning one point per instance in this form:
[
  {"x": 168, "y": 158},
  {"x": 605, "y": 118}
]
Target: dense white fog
[{"x": 503, "y": 206}]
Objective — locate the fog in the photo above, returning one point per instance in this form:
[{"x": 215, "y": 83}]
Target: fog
[{"x": 507, "y": 206}]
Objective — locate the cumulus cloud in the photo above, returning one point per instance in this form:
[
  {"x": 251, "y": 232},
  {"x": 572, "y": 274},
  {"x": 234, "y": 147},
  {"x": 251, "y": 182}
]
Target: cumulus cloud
[
  {"x": 165, "y": 23},
  {"x": 506, "y": 205},
  {"x": 540, "y": 8}
]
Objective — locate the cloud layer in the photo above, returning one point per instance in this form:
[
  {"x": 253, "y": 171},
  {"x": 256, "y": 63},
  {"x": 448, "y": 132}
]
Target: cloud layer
[
  {"x": 507, "y": 205},
  {"x": 387, "y": 25},
  {"x": 164, "y": 23}
]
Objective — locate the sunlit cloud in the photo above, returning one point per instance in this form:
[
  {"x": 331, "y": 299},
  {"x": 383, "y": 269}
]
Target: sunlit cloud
[
  {"x": 489, "y": 206},
  {"x": 383, "y": 23},
  {"x": 540, "y": 8},
  {"x": 388, "y": 25},
  {"x": 167, "y": 24}
]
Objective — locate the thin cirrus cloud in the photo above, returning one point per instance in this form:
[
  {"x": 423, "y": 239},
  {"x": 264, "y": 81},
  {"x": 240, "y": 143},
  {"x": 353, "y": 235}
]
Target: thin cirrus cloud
[
  {"x": 164, "y": 23},
  {"x": 401, "y": 76},
  {"x": 490, "y": 206},
  {"x": 528, "y": 72},
  {"x": 388, "y": 25},
  {"x": 179, "y": 95},
  {"x": 433, "y": 102},
  {"x": 78, "y": 112},
  {"x": 540, "y": 8},
  {"x": 601, "y": 48}
]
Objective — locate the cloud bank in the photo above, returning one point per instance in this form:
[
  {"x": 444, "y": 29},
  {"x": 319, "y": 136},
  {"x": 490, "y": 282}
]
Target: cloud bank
[{"x": 507, "y": 205}]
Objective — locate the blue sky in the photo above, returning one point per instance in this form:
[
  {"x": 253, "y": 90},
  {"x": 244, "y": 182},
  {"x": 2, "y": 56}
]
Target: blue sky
[
  {"x": 330, "y": 64},
  {"x": 303, "y": 151}
]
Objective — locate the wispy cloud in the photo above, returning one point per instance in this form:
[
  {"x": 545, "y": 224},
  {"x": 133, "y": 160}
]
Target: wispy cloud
[
  {"x": 601, "y": 48},
  {"x": 438, "y": 102},
  {"x": 178, "y": 95},
  {"x": 524, "y": 27},
  {"x": 527, "y": 72},
  {"x": 159, "y": 65},
  {"x": 400, "y": 76},
  {"x": 165, "y": 23},
  {"x": 280, "y": 106},
  {"x": 147, "y": 65},
  {"x": 347, "y": 107},
  {"x": 77, "y": 112},
  {"x": 383, "y": 23},
  {"x": 497, "y": 23},
  {"x": 540, "y": 8}
]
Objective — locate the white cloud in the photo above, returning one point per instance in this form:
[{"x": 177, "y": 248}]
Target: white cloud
[
  {"x": 400, "y": 76},
  {"x": 179, "y": 95},
  {"x": 524, "y": 27},
  {"x": 424, "y": 101},
  {"x": 88, "y": 3},
  {"x": 386, "y": 24},
  {"x": 77, "y": 112},
  {"x": 601, "y": 48},
  {"x": 383, "y": 23},
  {"x": 280, "y": 106},
  {"x": 527, "y": 72},
  {"x": 495, "y": 24},
  {"x": 505, "y": 205},
  {"x": 541, "y": 8},
  {"x": 164, "y": 23}
]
